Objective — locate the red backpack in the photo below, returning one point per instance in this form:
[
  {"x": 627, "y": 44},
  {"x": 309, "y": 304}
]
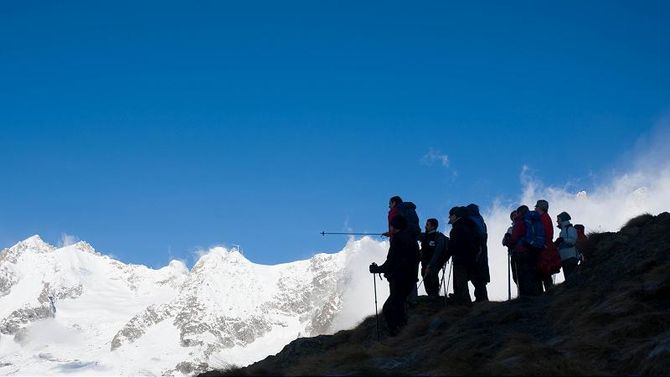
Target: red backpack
[
  {"x": 549, "y": 260},
  {"x": 581, "y": 240}
]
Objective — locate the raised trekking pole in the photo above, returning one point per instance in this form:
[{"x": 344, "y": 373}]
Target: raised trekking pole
[
  {"x": 351, "y": 233},
  {"x": 509, "y": 279},
  {"x": 374, "y": 279}
]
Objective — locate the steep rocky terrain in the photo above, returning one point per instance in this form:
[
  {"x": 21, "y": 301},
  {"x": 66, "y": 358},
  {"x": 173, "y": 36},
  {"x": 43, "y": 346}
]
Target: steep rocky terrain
[{"x": 613, "y": 318}]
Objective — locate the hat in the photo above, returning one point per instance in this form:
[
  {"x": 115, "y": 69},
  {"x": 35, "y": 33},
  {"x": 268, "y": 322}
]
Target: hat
[
  {"x": 399, "y": 222},
  {"x": 543, "y": 204},
  {"x": 459, "y": 212},
  {"x": 564, "y": 216}
]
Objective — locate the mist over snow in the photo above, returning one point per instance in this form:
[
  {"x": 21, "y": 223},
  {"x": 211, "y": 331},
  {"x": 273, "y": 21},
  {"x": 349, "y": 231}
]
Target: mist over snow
[{"x": 72, "y": 310}]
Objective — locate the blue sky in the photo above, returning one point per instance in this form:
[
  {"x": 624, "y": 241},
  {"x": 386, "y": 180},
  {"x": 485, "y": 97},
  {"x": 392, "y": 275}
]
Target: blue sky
[{"x": 151, "y": 129}]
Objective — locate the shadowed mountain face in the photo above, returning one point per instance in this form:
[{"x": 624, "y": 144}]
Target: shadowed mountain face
[{"x": 611, "y": 319}]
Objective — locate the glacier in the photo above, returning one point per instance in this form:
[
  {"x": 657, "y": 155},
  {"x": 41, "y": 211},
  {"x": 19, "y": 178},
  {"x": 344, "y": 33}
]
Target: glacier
[{"x": 75, "y": 311}]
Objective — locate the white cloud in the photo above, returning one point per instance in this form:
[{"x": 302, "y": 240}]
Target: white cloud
[
  {"x": 435, "y": 155},
  {"x": 67, "y": 240},
  {"x": 643, "y": 187},
  {"x": 359, "y": 294}
]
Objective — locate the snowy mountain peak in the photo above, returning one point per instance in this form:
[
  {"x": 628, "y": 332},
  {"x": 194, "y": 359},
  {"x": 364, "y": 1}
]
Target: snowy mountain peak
[
  {"x": 177, "y": 265},
  {"x": 34, "y": 243},
  {"x": 84, "y": 246},
  {"x": 99, "y": 316},
  {"x": 219, "y": 257}
]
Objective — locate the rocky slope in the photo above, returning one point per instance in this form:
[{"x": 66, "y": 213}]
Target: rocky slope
[{"x": 613, "y": 318}]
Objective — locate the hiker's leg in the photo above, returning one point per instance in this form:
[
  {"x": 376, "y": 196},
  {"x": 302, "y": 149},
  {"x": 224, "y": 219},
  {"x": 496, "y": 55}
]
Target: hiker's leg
[
  {"x": 432, "y": 283},
  {"x": 480, "y": 289},
  {"x": 569, "y": 266},
  {"x": 461, "y": 291}
]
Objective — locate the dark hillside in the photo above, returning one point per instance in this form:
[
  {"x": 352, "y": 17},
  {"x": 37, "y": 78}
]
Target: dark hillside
[{"x": 612, "y": 319}]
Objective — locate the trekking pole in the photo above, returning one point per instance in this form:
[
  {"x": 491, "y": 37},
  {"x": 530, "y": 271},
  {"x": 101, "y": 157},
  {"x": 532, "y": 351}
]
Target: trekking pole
[
  {"x": 374, "y": 279},
  {"x": 446, "y": 290},
  {"x": 419, "y": 286},
  {"x": 509, "y": 279},
  {"x": 444, "y": 273},
  {"x": 518, "y": 279},
  {"x": 351, "y": 233}
]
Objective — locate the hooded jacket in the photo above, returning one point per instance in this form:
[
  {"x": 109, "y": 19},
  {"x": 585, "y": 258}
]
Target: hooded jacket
[{"x": 568, "y": 235}]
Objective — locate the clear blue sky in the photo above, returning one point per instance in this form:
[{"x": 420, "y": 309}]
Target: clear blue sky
[{"x": 139, "y": 126}]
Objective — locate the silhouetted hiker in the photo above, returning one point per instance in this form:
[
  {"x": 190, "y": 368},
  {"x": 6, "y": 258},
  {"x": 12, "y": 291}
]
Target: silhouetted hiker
[
  {"x": 393, "y": 212},
  {"x": 566, "y": 241},
  {"x": 507, "y": 242},
  {"x": 542, "y": 207},
  {"x": 582, "y": 239},
  {"x": 524, "y": 257},
  {"x": 433, "y": 256},
  {"x": 463, "y": 247},
  {"x": 407, "y": 210},
  {"x": 400, "y": 269},
  {"x": 397, "y": 207},
  {"x": 482, "y": 277}
]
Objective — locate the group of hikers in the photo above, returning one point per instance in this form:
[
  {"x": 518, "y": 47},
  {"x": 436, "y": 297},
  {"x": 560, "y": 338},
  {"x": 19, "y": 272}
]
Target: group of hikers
[{"x": 533, "y": 256}]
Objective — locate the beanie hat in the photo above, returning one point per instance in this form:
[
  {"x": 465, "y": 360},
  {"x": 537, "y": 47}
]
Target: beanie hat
[
  {"x": 542, "y": 204},
  {"x": 564, "y": 216},
  {"x": 399, "y": 222}
]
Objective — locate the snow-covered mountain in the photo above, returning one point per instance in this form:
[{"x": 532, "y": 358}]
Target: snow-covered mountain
[{"x": 72, "y": 310}]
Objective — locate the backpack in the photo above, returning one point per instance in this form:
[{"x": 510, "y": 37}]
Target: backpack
[
  {"x": 444, "y": 256},
  {"x": 534, "y": 237},
  {"x": 408, "y": 211},
  {"x": 581, "y": 240},
  {"x": 549, "y": 261}
]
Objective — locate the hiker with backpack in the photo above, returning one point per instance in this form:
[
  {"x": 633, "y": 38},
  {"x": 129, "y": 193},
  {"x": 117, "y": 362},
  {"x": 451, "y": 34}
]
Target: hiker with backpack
[
  {"x": 463, "y": 246},
  {"x": 400, "y": 270},
  {"x": 393, "y": 212},
  {"x": 397, "y": 207},
  {"x": 483, "y": 276},
  {"x": 566, "y": 242},
  {"x": 433, "y": 256},
  {"x": 525, "y": 243},
  {"x": 407, "y": 210},
  {"x": 549, "y": 261},
  {"x": 581, "y": 242}
]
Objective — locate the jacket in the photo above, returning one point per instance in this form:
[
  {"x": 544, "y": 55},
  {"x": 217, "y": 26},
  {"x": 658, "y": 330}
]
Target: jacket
[
  {"x": 433, "y": 249},
  {"x": 548, "y": 228},
  {"x": 402, "y": 259},
  {"x": 518, "y": 232},
  {"x": 568, "y": 235},
  {"x": 464, "y": 242}
]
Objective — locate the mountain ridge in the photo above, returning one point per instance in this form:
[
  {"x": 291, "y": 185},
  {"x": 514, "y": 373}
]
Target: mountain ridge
[
  {"x": 224, "y": 310},
  {"x": 611, "y": 319}
]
